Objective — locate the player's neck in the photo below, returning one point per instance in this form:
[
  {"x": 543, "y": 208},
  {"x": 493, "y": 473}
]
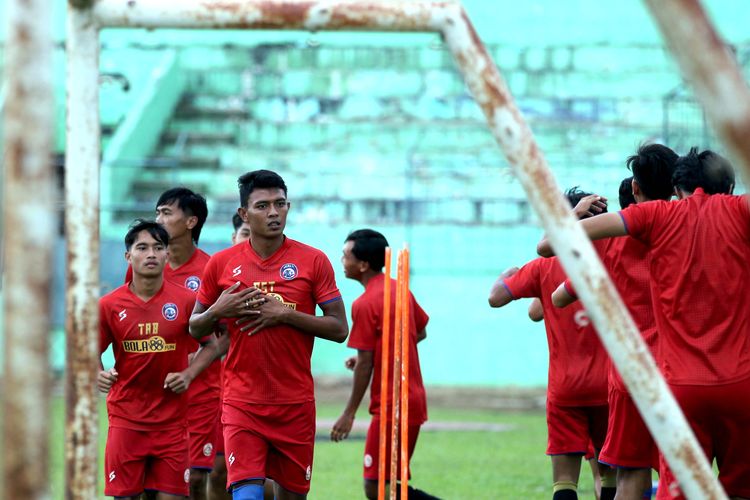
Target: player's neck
[
  {"x": 265, "y": 247},
  {"x": 145, "y": 287},
  {"x": 180, "y": 251},
  {"x": 367, "y": 276}
]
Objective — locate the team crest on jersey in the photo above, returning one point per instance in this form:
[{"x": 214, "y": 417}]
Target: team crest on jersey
[
  {"x": 308, "y": 473},
  {"x": 368, "y": 460},
  {"x": 169, "y": 311},
  {"x": 186, "y": 475},
  {"x": 288, "y": 271},
  {"x": 193, "y": 283},
  {"x": 207, "y": 449}
]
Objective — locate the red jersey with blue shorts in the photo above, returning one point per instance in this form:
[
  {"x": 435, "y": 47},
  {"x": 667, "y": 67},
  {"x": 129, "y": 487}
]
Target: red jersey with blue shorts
[
  {"x": 204, "y": 391},
  {"x": 700, "y": 250},
  {"x": 271, "y": 367},
  {"x": 577, "y": 378},
  {"x": 147, "y": 441},
  {"x": 367, "y": 335}
]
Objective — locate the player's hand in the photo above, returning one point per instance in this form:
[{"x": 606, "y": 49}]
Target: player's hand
[
  {"x": 350, "y": 363},
  {"x": 105, "y": 379},
  {"x": 238, "y": 304},
  {"x": 271, "y": 313},
  {"x": 589, "y": 206},
  {"x": 177, "y": 382},
  {"x": 342, "y": 427}
]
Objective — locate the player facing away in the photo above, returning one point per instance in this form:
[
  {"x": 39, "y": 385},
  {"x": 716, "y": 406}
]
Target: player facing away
[
  {"x": 577, "y": 385},
  {"x": 699, "y": 249},
  {"x": 363, "y": 259},
  {"x": 147, "y": 321},
  {"x": 183, "y": 213},
  {"x": 266, "y": 292},
  {"x": 629, "y": 446}
]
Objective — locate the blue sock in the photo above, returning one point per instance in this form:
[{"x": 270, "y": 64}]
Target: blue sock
[{"x": 247, "y": 491}]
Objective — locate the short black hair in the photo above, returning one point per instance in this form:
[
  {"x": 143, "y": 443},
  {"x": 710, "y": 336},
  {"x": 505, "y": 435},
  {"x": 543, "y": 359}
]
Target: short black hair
[
  {"x": 189, "y": 202},
  {"x": 237, "y": 221},
  {"x": 155, "y": 229},
  {"x": 707, "y": 170},
  {"x": 652, "y": 167},
  {"x": 574, "y": 195},
  {"x": 369, "y": 246},
  {"x": 258, "y": 179},
  {"x": 626, "y": 192}
]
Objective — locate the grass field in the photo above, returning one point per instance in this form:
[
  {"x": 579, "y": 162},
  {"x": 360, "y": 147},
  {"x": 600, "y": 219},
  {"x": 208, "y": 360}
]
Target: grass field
[{"x": 449, "y": 464}]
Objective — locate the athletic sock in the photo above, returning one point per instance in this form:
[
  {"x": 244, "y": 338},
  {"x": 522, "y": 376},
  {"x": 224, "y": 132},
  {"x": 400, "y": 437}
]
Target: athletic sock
[
  {"x": 248, "y": 491},
  {"x": 608, "y": 493},
  {"x": 564, "y": 490}
]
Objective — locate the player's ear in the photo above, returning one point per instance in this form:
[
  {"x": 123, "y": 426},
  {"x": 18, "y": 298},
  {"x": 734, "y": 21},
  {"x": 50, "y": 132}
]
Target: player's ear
[
  {"x": 191, "y": 222},
  {"x": 242, "y": 212},
  {"x": 635, "y": 187},
  {"x": 127, "y": 256}
]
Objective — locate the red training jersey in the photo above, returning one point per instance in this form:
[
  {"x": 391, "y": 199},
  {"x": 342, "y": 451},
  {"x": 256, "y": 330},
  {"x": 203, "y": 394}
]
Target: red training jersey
[
  {"x": 149, "y": 339},
  {"x": 207, "y": 385},
  {"x": 272, "y": 366},
  {"x": 367, "y": 335},
  {"x": 626, "y": 259},
  {"x": 577, "y": 360},
  {"x": 700, "y": 266}
]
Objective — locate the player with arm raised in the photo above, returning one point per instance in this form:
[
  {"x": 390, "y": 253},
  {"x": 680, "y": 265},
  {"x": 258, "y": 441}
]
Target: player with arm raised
[
  {"x": 699, "y": 252},
  {"x": 577, "y": 386},
  {"x": 146, "y": 321},
  {"x": 629, "y": 446},
  {"x": 266, "y": 292}
]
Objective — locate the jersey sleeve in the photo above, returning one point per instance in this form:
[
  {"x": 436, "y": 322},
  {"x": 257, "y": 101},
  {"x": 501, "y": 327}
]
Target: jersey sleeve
[
  {"x": 324, "y": 287},
  {"x": 526, "y": 282},
  {"x": 420, "y": 317},
  {"x": 365, "y": 322},
  {"x": 209, "y": 290},
  {"x": 105, "y": 332},
  {"x": 640, "y": 219}
]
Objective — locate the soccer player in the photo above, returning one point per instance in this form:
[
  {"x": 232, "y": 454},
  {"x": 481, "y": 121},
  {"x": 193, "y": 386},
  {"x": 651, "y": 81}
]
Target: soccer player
[
  {"x": 183, "y": 212},
  {"x": 577, "y": 386},
  {"x": 629, "y": 446},
  {"x": 699, "y": 254},
  {"x": 146, "y": 321},
  {"x": 241, "y": 230},
  {"x": 266, "y": 292},
  {"x": 363, "y": 259}
]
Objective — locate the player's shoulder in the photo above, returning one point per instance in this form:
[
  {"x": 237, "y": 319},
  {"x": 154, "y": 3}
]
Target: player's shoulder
[
  {"x": 202, "y": 257},
  {"x": 115, "y": 295},
  {"x": 226, "y": 255},
  {"x": 303, "y": 248},
  {"x": 175, "y": 291}
]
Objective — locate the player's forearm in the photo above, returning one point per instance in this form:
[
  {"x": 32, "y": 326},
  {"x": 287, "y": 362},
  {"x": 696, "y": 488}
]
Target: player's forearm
[
  {"x": 202, "y": 323},
  {"x": 206, "y": 355},
  {"x": 599, "y": 227},
  {"x": 362, "y": 376},
  {"x": 327, "y": 327}
]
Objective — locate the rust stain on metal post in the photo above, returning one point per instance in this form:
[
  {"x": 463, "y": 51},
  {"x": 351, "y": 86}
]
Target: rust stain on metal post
[
  {"x": 82, "y": 231},
  {"x": 710, "y": 68},
  {"x": 30, "y": 222}
]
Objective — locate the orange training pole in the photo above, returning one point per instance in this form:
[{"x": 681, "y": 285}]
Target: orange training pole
[
  {"x": 396, "y": 376},
  {"x": 385, "y": 354},
  {"x": 405, "y": 342}
]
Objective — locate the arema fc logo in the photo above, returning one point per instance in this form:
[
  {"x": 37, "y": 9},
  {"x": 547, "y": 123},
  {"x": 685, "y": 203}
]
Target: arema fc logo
[
  {"x": 193, "y": 283},
  {"x": 169, "y": 311},
  {"x": 288, "y": 271}
]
